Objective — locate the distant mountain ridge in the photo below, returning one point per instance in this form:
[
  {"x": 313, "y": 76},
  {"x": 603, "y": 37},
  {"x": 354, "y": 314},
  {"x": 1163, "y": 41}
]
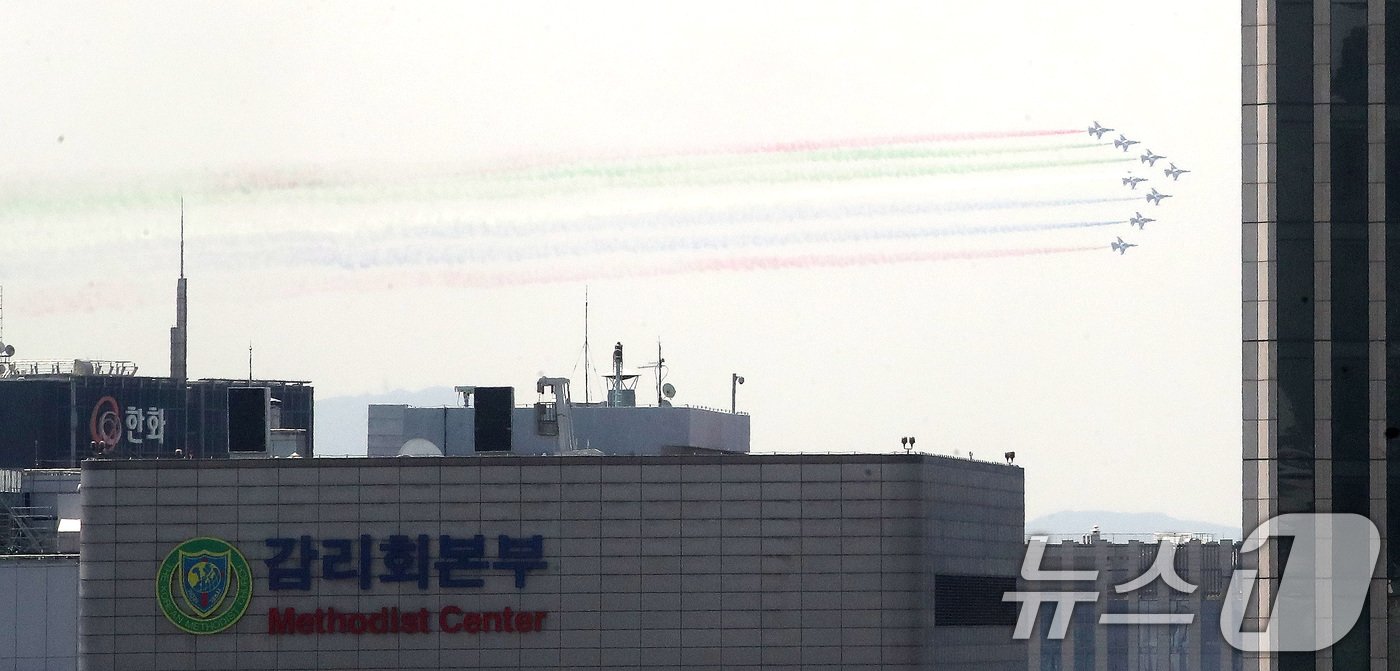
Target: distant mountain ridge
[{"x": 1083, "y": 521}]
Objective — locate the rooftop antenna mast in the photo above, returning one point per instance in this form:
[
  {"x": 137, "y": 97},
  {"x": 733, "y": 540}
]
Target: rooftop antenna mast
[
  {"x": 587, "y": 376},
  {"x": 179, "y": 334},
  {"x": 659, "y": 364},
  {"x": 250, "y": 361}
]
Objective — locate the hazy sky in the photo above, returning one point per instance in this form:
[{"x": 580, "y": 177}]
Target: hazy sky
[{"x": 875, "y": 212}]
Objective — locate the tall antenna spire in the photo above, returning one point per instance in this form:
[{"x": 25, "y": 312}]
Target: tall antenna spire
[
  {"x": 179, "y": 334},
  {"x": 587, "y": 376}
]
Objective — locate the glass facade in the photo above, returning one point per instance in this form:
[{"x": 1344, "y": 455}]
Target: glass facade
[{"x": 1318, "y": 263}]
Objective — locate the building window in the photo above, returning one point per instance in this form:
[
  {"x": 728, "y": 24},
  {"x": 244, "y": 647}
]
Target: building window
[{"x": 973, "y": 601}]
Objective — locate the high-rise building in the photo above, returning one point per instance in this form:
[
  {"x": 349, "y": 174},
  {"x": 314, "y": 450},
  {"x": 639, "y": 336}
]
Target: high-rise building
[{"x": 1318, "y": 318}]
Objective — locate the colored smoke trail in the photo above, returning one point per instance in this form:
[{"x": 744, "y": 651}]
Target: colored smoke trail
[
  {"x": 117, "y": 296},
  {"x": 547, "y": 274},
  {"x": 795, "y": 146},
  {"x": 877, "y": 258},
  {"x": 680, "y": 165},
  {"x": 376, "y": 257},
  {"x": 288, "y": 247},
  {"x": 663, "y": 220},
  {"x": 810, "y": 145},
  {"x": 846, "y": 143},
  {"x": 750, "y": 263},
  {"x": 703, "y": 167},
  {"x": 812, "y": 173}
]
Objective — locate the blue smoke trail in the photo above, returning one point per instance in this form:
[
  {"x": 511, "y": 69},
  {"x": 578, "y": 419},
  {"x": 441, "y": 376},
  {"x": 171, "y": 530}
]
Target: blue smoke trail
[{"x": 440, "y": 255}]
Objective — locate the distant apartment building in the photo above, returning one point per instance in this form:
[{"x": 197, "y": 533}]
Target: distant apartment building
[{"x": 1090, "y": 645}]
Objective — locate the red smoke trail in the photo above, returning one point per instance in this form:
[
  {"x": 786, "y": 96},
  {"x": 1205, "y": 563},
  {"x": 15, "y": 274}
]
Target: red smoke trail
[
  {"x": 67, "y": 300},
  {"x": 778, "y": 262},
  {"x": 546, "y": 275},
  {"x": 814, "y": 145}
]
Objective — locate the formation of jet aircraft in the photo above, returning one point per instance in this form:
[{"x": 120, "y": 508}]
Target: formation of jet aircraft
[
  {"x": 1097, "y": 131},
  {"x": 1154, "y": 197}
]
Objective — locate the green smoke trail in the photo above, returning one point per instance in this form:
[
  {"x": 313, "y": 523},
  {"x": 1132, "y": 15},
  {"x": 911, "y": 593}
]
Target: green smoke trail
[
  {"x": 818, "y": 167},
  {"x": 651, "y": 168},
  {"x": 841, "y": 172}
]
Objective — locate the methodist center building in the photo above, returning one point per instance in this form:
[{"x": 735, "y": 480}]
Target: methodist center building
[{"x": 895, "y": 561}]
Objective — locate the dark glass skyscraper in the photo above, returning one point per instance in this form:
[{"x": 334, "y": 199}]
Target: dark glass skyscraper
[{"x": 1319, "y": 142}]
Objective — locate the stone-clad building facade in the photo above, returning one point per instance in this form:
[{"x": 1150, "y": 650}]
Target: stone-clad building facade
[{"x": 740, "y": 562}]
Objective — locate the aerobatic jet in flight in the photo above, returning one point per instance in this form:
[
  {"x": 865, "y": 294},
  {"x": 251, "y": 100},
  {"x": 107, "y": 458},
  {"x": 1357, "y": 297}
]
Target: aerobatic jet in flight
[
  {"x": 1175, "y": 172},
  {"x": 1156, "y": 198},
  {"x": 1123, "y": 142},
  {"x": 1139, "y": 221},
  {"x": 1097, "y": 131},
  {"x": 1151, "y": 159},
  {"x": 1132, "y": 182},
  {"x": 1121, "y": 247}
]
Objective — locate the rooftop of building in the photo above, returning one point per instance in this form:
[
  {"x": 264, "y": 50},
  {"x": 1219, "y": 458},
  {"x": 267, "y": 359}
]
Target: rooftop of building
[{"x": 534, "y": 460}]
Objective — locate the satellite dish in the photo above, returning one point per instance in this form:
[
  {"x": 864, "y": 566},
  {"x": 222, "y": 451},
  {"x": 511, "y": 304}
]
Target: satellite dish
[
  {"x": 8, "y": 350},
  {"x": 419, "y": 447},
  {"x": 665, "y": 403},
  {"x": 668, "y": 390}
]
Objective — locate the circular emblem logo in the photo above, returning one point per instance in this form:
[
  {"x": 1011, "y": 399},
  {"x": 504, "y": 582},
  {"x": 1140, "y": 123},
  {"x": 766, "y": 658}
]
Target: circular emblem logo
[
  {"x": 204, "y": 585},
  {"x": 106, "y": 422}
]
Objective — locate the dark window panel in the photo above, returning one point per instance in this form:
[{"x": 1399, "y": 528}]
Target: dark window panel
[
  {"x": 1392, "y": 518},
  {"x": 1348, "y": 163},
  {"x": 1351, "y": 487},
  {"x": 972, "y": 600},
  {"x": 1349, "y": 52},
  {"x": 1296, "y": 437},
  {"x": 1296, "y": 478},
  {"x": 1295, "y": 52},
  {"x": 1350, "y": 286},
  {"x": 1295, "y": 289},
  {"x": 1295, "y": 163},
  {"x": 1354, "y": 650}
]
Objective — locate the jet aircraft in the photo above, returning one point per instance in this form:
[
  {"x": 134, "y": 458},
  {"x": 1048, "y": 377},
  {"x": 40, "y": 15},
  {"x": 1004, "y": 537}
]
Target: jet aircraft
[
  {"x": 1151, "y": 159},
  {"x": 1132, "y": 182},
  {"x": 1123, "y": 142},
  {"x": 1140, "y": 221},
  {"x": 1097, "y": 131},
  {"x": 1175, "y": 172},
  {"x": 1156, "y": 198},
  {"x": 1120, "y": 246}
]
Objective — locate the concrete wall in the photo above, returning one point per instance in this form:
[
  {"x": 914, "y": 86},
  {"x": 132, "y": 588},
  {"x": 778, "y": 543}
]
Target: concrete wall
[
  {"x": 620, "y": 430},
  {"x": 971, "y": 512},
  {"x": 39, "y": 613},
  {"x": 741, "y": 562},
  {"x": 55, "y": 488}
]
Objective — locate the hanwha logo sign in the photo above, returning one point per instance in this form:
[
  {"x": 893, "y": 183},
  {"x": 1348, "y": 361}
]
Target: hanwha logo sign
[
  {"x": 106, "y": 423},
  {"x": 204, "y": 586}
]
